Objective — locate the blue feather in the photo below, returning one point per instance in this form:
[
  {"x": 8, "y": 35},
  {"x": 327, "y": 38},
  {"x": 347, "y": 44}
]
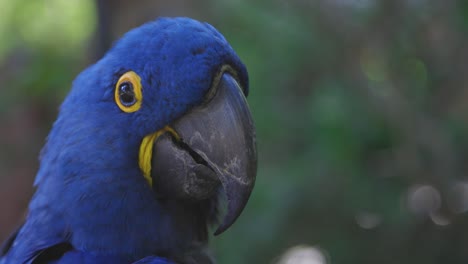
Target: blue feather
[{"x": 90, "y": 191}]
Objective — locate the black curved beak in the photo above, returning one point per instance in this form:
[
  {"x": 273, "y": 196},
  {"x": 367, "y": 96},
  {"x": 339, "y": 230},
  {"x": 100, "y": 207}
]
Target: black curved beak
[{"x": 212, "y": 145}]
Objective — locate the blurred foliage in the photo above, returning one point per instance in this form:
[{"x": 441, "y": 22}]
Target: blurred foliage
[{"x": 360, "y": 108}]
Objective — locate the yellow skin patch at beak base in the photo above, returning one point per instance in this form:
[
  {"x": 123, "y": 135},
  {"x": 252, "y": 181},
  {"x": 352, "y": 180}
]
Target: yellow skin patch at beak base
[{"x": 146, "y": 151}]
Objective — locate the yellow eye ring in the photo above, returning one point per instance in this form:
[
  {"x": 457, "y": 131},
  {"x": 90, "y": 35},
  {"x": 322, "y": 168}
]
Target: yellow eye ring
[{"x": 128, "y": 94}]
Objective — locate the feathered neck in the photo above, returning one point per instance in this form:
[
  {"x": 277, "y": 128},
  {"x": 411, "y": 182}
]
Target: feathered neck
[{"x": 89, "y": 177}]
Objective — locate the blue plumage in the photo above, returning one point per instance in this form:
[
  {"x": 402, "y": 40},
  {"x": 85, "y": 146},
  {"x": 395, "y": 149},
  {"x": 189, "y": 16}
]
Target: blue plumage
[{"x": 90, "y": 194}]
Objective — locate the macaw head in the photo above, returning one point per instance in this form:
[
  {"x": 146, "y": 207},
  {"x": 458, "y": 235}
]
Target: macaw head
[{"x": 164, "y": 110}]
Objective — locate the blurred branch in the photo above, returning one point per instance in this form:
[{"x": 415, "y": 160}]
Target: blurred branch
[{"x": 103, "y": 36}]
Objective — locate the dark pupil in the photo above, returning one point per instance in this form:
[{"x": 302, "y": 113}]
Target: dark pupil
[{"x": 126, "y": 94}]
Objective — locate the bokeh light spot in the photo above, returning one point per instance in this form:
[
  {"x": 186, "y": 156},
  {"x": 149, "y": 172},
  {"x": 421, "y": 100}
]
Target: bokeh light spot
[
  {"x": 303, "y": 254},
  {"x": 368, "y": 220},
  {"x": 439, "y": 219},
  {"x": 423, "y": 199}
]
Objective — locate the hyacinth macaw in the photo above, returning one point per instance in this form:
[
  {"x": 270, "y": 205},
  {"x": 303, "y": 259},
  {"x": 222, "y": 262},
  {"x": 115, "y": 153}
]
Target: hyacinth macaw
[{"x": 146, "y": 143}]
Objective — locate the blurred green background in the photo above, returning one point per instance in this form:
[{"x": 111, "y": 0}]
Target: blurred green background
[{"x": 361, "y": 109}]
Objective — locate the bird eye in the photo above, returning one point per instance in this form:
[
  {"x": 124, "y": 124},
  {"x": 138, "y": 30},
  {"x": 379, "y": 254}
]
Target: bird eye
[{"x": 128, "y": 95}]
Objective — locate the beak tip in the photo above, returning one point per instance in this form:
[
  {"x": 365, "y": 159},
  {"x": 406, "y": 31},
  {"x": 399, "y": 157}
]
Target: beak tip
[
  {"x": 229, "y": 219},
  {"x": 237, "y": 196},
  {"x": 219, "y": 231}
]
